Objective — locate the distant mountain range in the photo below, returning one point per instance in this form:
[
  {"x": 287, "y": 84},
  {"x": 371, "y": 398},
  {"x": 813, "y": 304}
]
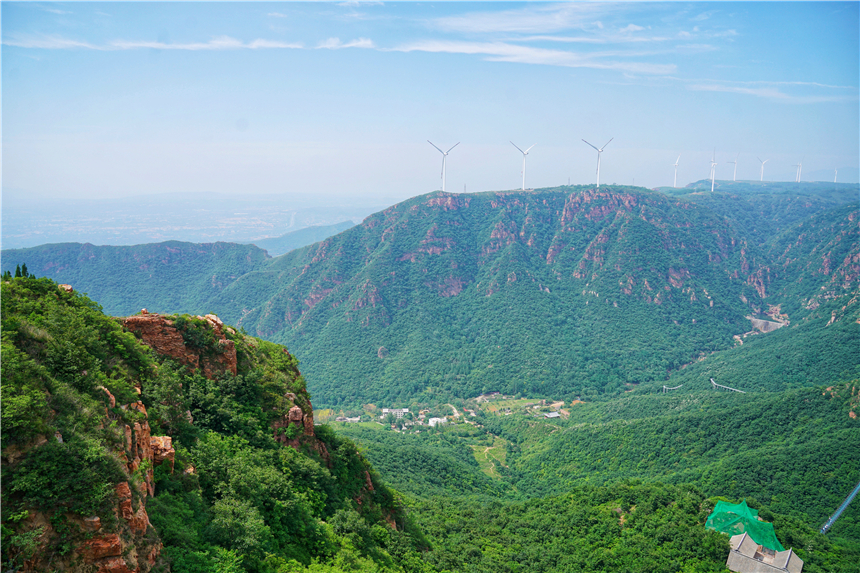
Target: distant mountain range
[
  {"x": 287, "y": 242},
  {"x": 570, "y": 291}
]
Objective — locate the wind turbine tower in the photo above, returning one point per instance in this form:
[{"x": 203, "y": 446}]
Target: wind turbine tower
[
  {"x": 526, "y": 152},
  {"x": 599, "y": 151},
  {"x": 799, "y": 171},
  {"x": 444, "y": 156},
  {"x": 713, "y": 169},
  {"x": 762, "y": 167},
  {"x": 835, "y": 173},
  {"x": 675, "y": 184},
  {"x": 735, "y": 176}
]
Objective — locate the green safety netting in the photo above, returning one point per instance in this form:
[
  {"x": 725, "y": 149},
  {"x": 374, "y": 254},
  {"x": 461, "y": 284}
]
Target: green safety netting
[{"x": 735, "y": 518}]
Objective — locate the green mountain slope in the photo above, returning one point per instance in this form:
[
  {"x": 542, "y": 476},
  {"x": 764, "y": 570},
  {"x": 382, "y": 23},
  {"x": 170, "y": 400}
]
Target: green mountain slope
[
  {"x": 796, "y": 451},
  {"x": 817, "y": 350},
  {"x": 563, "y": 291},
  {"x": 167, "y": 277}
]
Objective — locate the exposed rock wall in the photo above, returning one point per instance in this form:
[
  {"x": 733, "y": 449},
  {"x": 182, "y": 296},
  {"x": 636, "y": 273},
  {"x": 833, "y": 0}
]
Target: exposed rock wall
[
  {"x": 161, "y": 334},
  {"x": 129, "y": 544}
]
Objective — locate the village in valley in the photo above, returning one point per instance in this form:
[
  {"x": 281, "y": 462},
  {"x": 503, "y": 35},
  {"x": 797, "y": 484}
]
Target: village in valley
[{"x": 472, "y": 412}]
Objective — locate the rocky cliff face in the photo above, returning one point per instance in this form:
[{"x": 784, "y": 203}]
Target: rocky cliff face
[
  {"x": 162, "y": 335},
  {"x": 127, "y": 543},
  {"x": 84, "y": 393}
]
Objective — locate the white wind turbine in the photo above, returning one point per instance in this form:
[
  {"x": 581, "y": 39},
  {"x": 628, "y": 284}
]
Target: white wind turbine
[
  {"x": 735, "y": 176},
  {"x": 599, "y": 151},
  {"x": 675, "y": 184},
  {"x": 713, "y": 169},
  {"x": 762, "y": 167},
  {"x": 799, "y": 171},
  {"x": 444, "y": 156},
  {"x": 526, "y": 152},
  {"x": 835, "y": 173}
]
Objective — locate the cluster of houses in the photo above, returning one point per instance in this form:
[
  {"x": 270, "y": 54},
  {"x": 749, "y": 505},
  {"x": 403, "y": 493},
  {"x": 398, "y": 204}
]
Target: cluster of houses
[
  {"x": 420, "y": 420},
  {"x": 405, "y": 418}
]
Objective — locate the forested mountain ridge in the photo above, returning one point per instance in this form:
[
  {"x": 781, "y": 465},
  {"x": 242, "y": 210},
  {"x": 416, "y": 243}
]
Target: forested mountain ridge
[
  {"x": 168, "y": 277},
  {"x": 514, "y": 292},
  {"x": 191, "y": 447}
]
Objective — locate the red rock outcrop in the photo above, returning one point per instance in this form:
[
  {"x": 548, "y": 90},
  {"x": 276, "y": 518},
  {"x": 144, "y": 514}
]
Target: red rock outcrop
[
  {"x": 99, "y": 547},
  {"x": 161, "y": 334},
  {"x": 162, "y": 451},
  {"x": 302, "y": 419}
]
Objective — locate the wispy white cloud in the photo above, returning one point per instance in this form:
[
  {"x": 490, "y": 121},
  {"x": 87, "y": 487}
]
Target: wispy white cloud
[
  {"x": 356, "y": 3},
  {"x": 336, "y": 44},
  {"x": 771, "y": 93},
  {"x": 506, "y": 52},
  {"x": 276, "y": 15},
  {"x": 55, "y": 11},
  {"x": 219, "y": 43},
  {"x": 631, "y": 28},
  {"x": 602, "y": 39},
  {"x": 767, "y": 83},
  {"x": 703, "y": 16},
  {"x": 535, "y": 20},
  {"x": 48, "y": 43}
]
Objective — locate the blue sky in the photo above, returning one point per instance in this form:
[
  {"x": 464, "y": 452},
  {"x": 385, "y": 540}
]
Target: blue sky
[{"x": 117, "y": 99}]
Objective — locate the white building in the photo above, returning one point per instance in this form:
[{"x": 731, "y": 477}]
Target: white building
[{"x": 398, "y": 412}]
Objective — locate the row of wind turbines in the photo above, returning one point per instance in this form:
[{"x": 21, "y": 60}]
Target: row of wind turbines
[
  {"x": 600, "y": 151},
  {"x": 525, "y": 154},
  {"x": 735, "y": 175}
]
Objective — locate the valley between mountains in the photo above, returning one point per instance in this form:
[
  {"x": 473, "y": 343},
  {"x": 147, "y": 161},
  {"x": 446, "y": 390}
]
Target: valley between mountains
[{"x": 592, "y": 323}]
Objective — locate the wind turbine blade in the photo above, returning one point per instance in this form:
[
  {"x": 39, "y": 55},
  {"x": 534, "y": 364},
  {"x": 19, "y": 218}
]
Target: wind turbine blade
[
  {"x": 595, "y": 149},
  {"x": 452, "y": 147},
  {"x": 518, "y": 147},
  {"x": 765, "y": 161},
  {"x": 530, "y": 148},
  {"x": 677, "y": 160},
  {"x": 759, "y": 158},
  {"x": 434, "y": 145},
  {"x": 607, "y": 143}
]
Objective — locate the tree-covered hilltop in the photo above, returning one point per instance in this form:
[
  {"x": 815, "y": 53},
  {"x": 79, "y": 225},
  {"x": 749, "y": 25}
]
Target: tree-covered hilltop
[
  {"x": 763, "y": 210},
  {"x": 833, "y": 193},
  {"x": 191, "y": 449}
]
